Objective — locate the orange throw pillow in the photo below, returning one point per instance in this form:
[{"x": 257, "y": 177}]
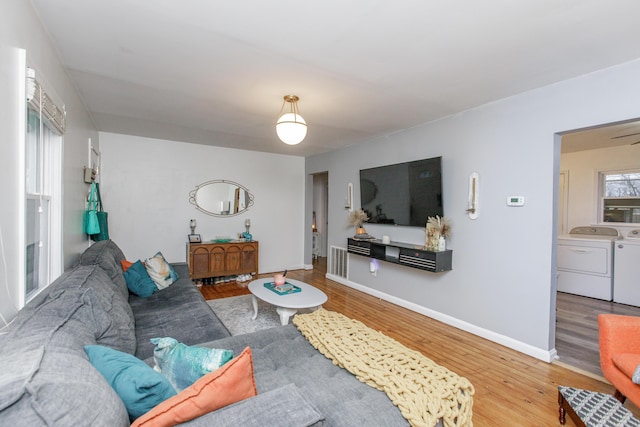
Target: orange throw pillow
[
  {"x": 626, "y": 362},
  {"x": 125, "y": 264},
  {"x": 231, "y": 383}
]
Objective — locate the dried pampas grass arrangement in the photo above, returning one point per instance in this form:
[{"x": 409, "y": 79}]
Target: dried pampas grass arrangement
[
  {"x": 437, "y": 227},
  {"x": 357, "y": 218}
]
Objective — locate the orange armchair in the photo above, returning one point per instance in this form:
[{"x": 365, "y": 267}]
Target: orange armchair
[{"x": 620, "y": 353}]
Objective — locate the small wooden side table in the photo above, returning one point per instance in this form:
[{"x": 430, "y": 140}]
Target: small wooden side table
[{"x": 591, "y": 409}]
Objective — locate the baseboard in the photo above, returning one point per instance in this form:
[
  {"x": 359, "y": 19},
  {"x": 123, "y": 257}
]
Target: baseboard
[
  {"x": 289, "y": 268},
  {"x": 541, "y": 354}
]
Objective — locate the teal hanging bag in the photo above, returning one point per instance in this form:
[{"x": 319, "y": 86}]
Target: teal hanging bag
[
  {"x": 102, "y": 216},
  {"x": 91, "y": 224}
]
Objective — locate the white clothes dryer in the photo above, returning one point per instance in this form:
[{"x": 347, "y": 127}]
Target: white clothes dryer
[
  {"x": 585, "y": 261},
  {"x": 626, "y": 271}
]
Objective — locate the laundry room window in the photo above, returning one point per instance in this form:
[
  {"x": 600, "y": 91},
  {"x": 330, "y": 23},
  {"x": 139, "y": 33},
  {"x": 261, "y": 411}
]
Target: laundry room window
[{"x": 620, "y": 196}]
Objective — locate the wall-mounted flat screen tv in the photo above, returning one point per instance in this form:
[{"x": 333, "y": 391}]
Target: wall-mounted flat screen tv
[{"x": 402, "y": 194}]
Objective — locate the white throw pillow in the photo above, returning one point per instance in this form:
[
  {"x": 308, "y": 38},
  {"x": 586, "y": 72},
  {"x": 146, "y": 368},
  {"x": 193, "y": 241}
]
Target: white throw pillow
[{"x": 160, "y": 271}]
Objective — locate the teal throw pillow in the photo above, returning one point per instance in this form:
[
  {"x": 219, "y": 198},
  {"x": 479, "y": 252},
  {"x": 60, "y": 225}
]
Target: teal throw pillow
[
  {"x": 182, "y": 364},
  {"x": 138, "y": 385},
  {"x": 138, "y": 280}
]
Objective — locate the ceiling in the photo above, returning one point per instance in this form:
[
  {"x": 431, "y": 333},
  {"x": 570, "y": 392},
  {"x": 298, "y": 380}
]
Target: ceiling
[
  {"x": 611, "y": 135},
  {"x": 215, "y": 72}
]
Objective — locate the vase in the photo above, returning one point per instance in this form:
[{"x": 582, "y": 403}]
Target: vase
[
  {"x": 442, "y": 244},
  {"x": 360, "y": 230}
]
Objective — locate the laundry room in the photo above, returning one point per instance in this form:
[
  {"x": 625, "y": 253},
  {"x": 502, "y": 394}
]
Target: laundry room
[
  {"x": 598, "y": 245},
  {"x": 599, "y": 213}
]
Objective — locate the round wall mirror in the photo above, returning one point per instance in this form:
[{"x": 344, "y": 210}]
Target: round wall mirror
[{"x": 220, "y": 197}]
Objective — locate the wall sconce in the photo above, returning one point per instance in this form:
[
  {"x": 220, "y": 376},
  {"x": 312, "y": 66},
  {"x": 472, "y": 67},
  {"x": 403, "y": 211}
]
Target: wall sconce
[
  {"x": 348, "y": 204},
  {"x": 192, "y": 224},
  {"x": 474, "y": 189},
  {"x": 291, "y": 127}
]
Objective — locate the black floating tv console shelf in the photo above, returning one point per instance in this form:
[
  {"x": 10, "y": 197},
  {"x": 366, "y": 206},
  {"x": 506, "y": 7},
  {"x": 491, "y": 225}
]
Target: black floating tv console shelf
[{"x": 402, "y": 253}]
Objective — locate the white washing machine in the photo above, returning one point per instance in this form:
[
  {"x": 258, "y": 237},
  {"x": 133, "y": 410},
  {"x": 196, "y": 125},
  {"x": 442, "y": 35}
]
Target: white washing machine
[
  {"x": 626, "y": 273},
  {"x": 585, "y": 262}
]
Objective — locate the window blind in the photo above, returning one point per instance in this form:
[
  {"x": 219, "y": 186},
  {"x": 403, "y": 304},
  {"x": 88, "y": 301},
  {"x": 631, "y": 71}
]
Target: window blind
[{"x": 39, "y": 100}]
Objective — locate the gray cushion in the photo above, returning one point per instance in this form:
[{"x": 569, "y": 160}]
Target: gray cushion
[
  {"x": 282, "y": 356},
  {"x": 282, "y": 407},
  {"x": 120, "y": 334},
  {"x": 179, "y": 311},
  {"x": 73, "y": 316},
  {"x": 107, "y": 255},
  {"x": 46, "y": 378}
]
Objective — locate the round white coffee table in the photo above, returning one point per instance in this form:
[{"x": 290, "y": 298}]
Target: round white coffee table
[{"x": 288, "y": 304}]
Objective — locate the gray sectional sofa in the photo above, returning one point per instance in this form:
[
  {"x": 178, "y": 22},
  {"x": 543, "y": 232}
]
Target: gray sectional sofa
[{"x": 46, "y": 377}]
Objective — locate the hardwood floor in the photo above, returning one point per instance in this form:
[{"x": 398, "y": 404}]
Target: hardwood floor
[
  {"x": 512, "y": 389},
  {"x": 577, "y": 329}
]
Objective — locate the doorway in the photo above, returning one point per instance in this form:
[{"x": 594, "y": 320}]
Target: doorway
[
  {"x": 583, "y": 152},
  {"x": 320, "y": 217}
]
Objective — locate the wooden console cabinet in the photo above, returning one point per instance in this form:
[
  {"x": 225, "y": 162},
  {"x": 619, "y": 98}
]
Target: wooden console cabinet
[
  {"x": 402, "y": 253},
  {"x": 222, "y": 259}
]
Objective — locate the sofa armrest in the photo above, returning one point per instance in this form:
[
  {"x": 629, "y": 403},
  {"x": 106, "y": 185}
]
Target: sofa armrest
[
  {"x": 283, "y": 407},
  {"x": 618, "y": 334}
]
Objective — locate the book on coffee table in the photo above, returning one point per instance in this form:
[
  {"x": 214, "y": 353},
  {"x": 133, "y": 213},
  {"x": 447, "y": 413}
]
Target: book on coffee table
[{"x": 285, "y": 289}]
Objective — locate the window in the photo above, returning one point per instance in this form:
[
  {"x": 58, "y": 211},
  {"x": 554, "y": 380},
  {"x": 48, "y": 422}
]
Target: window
[
  {"x": 43, "y": 184},
  {"x": 620, "y": 196}
]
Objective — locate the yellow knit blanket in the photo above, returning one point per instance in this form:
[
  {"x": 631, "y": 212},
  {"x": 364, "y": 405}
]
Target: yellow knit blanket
[{"x": 423, "y": 390}]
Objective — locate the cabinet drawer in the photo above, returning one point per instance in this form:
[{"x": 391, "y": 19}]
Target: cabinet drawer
[
  {"x": 584, "y": 259},
  {"x": 586, "y": 285}
]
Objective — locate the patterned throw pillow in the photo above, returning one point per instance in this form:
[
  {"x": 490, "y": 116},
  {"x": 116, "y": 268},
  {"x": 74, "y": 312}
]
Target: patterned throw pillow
[
  {"x": 182, "y": 364},
  {"x": 160, "y": 271}
]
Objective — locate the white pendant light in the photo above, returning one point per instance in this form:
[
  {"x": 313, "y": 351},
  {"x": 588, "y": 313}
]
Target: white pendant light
[{"x": 291, "y": 127}]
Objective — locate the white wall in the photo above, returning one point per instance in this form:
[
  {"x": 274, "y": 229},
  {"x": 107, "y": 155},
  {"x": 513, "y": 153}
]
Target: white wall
[
  {"x": 502, "y": 285},
  {"x": 145, "y": 189},
  {"x": 583, "y": 168},
  {"x": 20, "y": 29}
]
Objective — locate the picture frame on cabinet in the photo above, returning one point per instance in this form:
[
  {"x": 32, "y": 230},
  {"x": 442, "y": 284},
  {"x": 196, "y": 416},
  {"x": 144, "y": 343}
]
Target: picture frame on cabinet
[{"x": 195, "y": 238}]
